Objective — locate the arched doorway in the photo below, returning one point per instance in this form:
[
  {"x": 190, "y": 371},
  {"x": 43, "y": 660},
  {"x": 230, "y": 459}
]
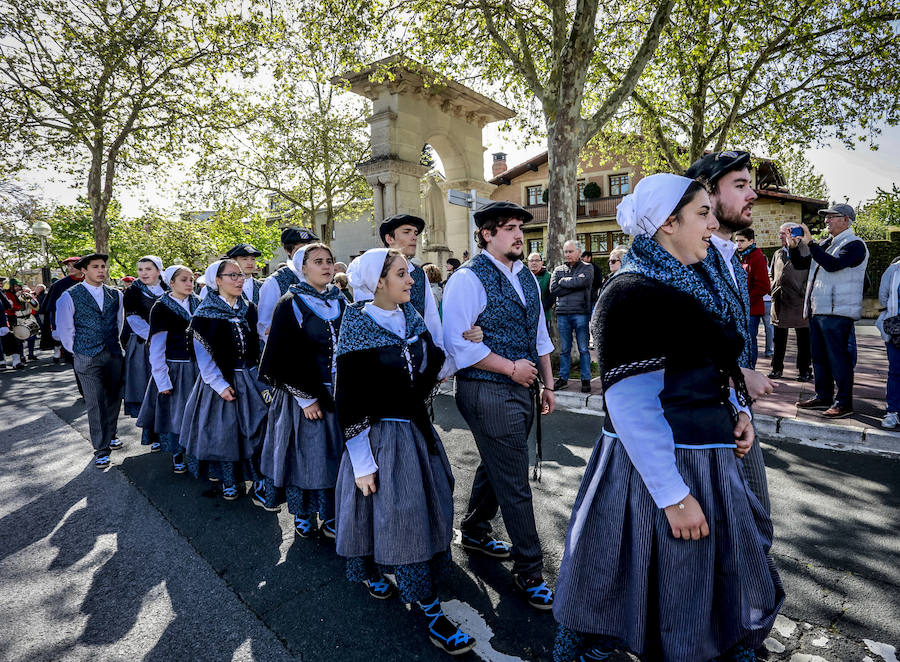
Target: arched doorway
[{"x": 412, "y": 106}]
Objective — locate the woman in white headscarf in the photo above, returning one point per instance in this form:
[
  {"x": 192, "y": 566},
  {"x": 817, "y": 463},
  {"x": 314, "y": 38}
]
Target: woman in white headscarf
[
  {"x": 667, "y": 552},
  {"x": 303, "y": 444},
  {"x": 173, "y": 364},
  {"x": 395, "y": 487},
  {"x": 225, "y": 415},
  {"x": 138, "y": 300}
]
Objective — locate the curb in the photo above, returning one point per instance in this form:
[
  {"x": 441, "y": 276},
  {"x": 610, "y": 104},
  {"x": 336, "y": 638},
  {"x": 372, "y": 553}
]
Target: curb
[{"x": 869, "y": 440}]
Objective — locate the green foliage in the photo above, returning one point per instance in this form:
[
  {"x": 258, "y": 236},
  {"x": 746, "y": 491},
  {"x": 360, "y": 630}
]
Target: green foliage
[
  {"x": 769, "y": 76},
  {"x": 73, "y": 230},
  {"x": 801, "y": 175},
  {"x": 592, "y": 191},
  {"x": 875, "y": 216},
  {"x": 96, "y": 88},
  {"x": 20, "y": 248}
]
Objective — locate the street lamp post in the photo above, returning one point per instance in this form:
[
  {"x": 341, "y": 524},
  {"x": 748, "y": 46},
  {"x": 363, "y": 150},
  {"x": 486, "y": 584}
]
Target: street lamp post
[{"x": 42, "y": 229}]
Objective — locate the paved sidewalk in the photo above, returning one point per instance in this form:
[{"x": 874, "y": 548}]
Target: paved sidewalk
[{"x": 777, "y": 415}]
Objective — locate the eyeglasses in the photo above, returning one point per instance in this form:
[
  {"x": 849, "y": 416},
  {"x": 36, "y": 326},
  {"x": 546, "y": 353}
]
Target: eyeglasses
[
  {"x": 615, "y": 261},
  {"x": 831, "y": 217},
  {"x": 234, "y": 276}
]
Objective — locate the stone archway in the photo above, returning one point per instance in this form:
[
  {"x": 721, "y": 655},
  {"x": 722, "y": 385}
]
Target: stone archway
[{"x": 412, "y": 106}]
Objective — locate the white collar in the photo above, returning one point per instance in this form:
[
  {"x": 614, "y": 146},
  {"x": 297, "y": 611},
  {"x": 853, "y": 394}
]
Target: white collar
[
  {"x": 516, "y": 266},
  {"x": 725, "y": 246},
  {"x": 95, "y": 288}
]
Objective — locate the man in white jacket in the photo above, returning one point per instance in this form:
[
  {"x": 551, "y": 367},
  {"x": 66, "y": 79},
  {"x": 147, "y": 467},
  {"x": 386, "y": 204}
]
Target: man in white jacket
[{"x": 888, "y": 294}]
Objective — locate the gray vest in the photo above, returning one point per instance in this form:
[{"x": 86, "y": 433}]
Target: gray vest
[
  {"x": 836, "y": 292},
  {"x": 95, "y": 330}
]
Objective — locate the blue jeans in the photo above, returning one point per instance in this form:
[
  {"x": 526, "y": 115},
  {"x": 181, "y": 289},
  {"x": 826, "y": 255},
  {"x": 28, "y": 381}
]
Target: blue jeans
[
  {"x": 753, "y": 326},
  {"x": 893, "y": 381},
  {"x": 769, "y": 330},
  {"x": 832, "y": 342},
  {"x": 580, "y": 325}
]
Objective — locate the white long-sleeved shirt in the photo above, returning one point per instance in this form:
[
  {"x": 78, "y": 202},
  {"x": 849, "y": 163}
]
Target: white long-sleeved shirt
[
  {"x": 465, "y": 299},
  {"x": 269, "y": 294},
  {"x": 634, "y": 407},
  {"x": 158, "y": 366},
  {"x": 727, "y": 249},
  {"x": 65, "y": 313}
]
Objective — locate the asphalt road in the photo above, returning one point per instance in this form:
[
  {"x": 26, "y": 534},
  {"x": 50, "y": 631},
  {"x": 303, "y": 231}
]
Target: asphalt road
[{"x": 137, "y": 563}]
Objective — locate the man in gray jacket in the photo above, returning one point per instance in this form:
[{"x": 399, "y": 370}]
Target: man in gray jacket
[{"x": 571, "y": 285}]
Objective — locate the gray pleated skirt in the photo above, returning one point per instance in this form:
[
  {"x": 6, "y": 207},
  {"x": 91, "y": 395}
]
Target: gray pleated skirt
[
  {"x": 137, "y": 374},
  {"x": 624, "y": 575},
  {"x": 163, "y": 414},
  {"x": 409, "y": 519},
  {"x": 298, "y": 452},
  {"x": 213, "y": 429}
]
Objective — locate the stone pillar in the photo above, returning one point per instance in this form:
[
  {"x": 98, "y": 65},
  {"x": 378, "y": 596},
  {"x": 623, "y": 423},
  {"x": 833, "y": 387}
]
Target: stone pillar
[{"x": 377, "y": 198}]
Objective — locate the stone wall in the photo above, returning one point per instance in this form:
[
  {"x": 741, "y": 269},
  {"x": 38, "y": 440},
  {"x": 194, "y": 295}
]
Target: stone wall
[{"x": 768, "y": 216}]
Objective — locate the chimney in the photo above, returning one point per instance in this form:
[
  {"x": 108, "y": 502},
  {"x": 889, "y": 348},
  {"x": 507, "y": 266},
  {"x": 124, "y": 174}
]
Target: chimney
[{"x": 499, "y": 164}]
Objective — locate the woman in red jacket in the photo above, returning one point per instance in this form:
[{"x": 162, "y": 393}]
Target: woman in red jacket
[{"x": 757, "y": 268}]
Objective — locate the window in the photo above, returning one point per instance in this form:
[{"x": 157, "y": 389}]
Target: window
[
  {"x": 535, "y": 246},
  {"x": 581, "y": 185},
  {"x": 598, "y": 242},
  {"x": 533, "y": 195},
  {"x": 618, "y": 239},
  {"x": 619, "y": 185}
]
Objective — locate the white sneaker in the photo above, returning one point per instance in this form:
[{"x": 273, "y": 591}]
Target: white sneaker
[{"x": 890, "y": 421}]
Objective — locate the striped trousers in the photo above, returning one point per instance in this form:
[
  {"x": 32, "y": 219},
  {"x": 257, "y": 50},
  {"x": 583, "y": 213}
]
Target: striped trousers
[
  {"x": 500, "y": 418},
  {"x": 755, "y": 473},
  {"x": 100, "y": 377}
]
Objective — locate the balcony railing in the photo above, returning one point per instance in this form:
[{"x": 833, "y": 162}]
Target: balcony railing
[{"x": 596, "y": 207}]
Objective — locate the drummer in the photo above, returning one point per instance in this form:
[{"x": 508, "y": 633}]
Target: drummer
[{"x": 16, "y": 313}]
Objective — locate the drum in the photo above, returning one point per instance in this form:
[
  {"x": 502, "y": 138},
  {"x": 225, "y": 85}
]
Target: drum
[{"x": 26, "y": 328}]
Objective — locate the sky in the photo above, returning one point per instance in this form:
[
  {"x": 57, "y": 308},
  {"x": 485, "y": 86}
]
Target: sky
[{"x": 853, "y": 175}]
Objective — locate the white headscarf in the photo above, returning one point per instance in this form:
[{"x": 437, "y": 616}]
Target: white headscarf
[
  {"x": 169, "y": 272},
  {"x": 297, "y": 263},
  {"x": 364, "y": 272},
  {"x": 154, "y": 259},
  {"x": 210, "y": 275},
  {"x": 653, "y": 200}
]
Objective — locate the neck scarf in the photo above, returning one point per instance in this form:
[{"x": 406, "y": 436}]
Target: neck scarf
[
  {"x": 146, "y": 290},
  {"x": 169, "y": 302},
  {"x": 744, "y": 253},
  {"x": 359, "y": 331},
  {"x": 331, "y": 292},
  {"x": 215, "y": 307}
]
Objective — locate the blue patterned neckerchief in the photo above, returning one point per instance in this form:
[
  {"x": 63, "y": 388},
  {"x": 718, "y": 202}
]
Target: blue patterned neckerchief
[
  {"x": 737, "y": 297},
  {"x": 146, "y": 290},
  {"x": 744, "y": 253},
  {"x": 650, "y": 259},
  {"x": 169, "y": 302},
  {"x": 331, "y": 292},
  {"x": 360, "y": 331},
  {"x": 215, "y": 307}
]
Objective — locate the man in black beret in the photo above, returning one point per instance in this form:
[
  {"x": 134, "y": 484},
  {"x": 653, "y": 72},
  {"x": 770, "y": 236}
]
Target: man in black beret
[
  {"x": 276, "y": 285},
  {"x": 245, "y": 255},
  {"x": 727, "y": 176},
  {"x": 497, "y": 385}
]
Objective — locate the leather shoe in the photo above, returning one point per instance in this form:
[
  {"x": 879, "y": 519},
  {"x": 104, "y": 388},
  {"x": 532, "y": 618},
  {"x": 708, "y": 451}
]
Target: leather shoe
[
  {"x": 838, "y": 411},
  {"x": 775, "y": 374},
  {"x": 585, "y": 385},
  {"x": 814, "y": 403},
  {"x": 805, "y": 377},
  {"x": 560, "y": 384}
]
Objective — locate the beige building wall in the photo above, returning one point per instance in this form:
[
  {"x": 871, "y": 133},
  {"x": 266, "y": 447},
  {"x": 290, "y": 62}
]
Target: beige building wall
[{"x": 769, "y": 215}]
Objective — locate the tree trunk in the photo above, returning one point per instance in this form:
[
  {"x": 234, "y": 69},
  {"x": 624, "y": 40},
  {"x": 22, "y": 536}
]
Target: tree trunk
[
  {"x": 98, "y": 206},
  {"x": 564, "y": 148},
  {"x": 329, "y": 220}
]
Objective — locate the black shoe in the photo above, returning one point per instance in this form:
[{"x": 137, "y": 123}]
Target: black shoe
[
  {"x": 381, "y": 588},
  {"x": 443, "y": 633},
  {"x": 560, "y": 384},
  {"x": 814, "y": 403},
  {"x": 775, "y": 374},
  {"x": 585, "y": 385},
  {"x": 805, "y": 377},
  {"x": 487, "y": 545},
  {"x": 536, "y": 592}
]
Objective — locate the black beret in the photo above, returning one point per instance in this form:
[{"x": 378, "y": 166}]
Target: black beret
[
  {"x": 297, "y": 236},
  {"x": 242, "y": 250},
  {"x": 712, "y": 166},
  {"x": 87, "y": 259},
  {"x": 395, "y": 221},
  {"x": 501, "y": 209}
]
